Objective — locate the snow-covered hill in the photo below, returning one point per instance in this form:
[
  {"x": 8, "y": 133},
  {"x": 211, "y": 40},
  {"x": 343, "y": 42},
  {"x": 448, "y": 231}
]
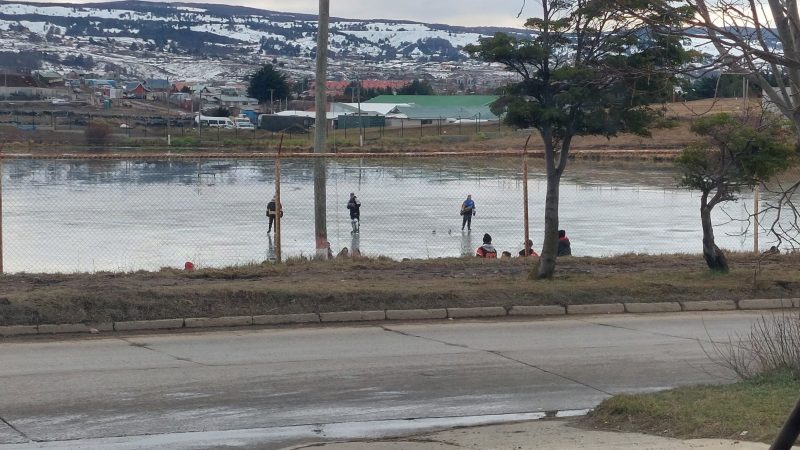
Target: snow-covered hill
[{"x": 180, "y": 39}]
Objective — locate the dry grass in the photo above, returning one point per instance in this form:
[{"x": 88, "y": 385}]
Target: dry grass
[
  {"x": 751, "y": 410},
  {"x": 366, "y": 284},
  {"x": 491, "y": 138}
]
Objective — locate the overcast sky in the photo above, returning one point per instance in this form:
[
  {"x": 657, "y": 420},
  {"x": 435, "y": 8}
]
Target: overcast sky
[{"x": 501, "y": 13}]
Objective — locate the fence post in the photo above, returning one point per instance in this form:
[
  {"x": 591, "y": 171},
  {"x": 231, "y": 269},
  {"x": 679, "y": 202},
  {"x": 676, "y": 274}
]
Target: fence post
[
  {"x": 756, "y": 200},
  {"x": 525, "y": 198},
  {"x": 1, "y": 216},
  {"x": 278, "y": 209}
]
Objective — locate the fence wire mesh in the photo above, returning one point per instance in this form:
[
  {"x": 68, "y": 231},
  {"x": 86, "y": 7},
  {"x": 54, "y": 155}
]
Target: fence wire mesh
[{"x": 65, "y": 215}]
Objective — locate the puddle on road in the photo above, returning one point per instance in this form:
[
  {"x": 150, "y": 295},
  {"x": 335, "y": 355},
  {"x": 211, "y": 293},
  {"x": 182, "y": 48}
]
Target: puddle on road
[{"x": 278, "y": 437}]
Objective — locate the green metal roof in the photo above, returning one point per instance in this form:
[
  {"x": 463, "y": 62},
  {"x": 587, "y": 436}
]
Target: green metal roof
[
  {"x": 447, "y": 112},
  {"x": 439, "y": 101}
]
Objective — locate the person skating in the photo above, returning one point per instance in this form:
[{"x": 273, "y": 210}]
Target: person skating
[
  {"x": 354, "y": 205},
  {"x": 486, "y": 250},
  {"x": 467, "y": 211},
  {"x": 272, "y": 212}
]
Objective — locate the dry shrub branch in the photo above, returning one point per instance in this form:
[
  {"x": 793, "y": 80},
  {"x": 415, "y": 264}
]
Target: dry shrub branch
[{"x": 771, "y": 346}]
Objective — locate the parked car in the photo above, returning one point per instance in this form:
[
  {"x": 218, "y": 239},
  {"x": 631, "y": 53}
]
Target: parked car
[{"x": 156, "y": 122}]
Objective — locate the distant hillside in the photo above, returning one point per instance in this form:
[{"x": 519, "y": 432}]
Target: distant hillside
[{"x": 202, "y": 29}]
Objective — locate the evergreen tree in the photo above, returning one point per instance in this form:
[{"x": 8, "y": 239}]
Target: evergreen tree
[
  {"x": 267, "y": 84},
  {"x": 589, "y": 70},
  {"x": 417, "y": 87}
]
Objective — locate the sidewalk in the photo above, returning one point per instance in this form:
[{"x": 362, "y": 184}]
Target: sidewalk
[{"x": 540, "y": 434}]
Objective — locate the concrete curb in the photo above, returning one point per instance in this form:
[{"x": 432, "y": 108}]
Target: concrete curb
[
  {"x": 709, "y": 305},
  {"x": 136, "y": 325},
  {"x": 18, "y": 330},
  {"x": 416, "y": 314},
  {"x": 485, "y": 311},
  {"x": 286, "y": 319},
  {"x": 540, "y": 310},
  {"x": 646, "y": 308},
  {"x": 766, "y": 303},
  {"x": 63, "y": 328},
  {"x": 402, "y": 314},
  {"x": 203, "y": 322},
  {"x": 602, "y": 308},
  {"x": 352, "y": 316}
]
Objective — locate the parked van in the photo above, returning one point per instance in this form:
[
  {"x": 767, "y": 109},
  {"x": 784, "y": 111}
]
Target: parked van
[
  {"x": 243, "y": 122},
  {"x": 214, "y": 122}
]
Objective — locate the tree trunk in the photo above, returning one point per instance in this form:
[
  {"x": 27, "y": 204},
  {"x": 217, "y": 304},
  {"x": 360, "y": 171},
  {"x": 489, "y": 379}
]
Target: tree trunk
[
  {"x": 547, "y": 260},
  {"x": 714, "y": 257}
]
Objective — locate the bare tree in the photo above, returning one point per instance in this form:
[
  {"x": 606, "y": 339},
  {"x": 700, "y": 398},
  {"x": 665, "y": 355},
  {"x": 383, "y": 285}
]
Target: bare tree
[{"x": 759, "y": 40}]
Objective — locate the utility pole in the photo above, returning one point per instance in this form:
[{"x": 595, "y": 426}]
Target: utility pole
[
  {"x": 271, "y": 102},
  {"x": 320, "y": 164},
  {"x": 360, "y": 120}
]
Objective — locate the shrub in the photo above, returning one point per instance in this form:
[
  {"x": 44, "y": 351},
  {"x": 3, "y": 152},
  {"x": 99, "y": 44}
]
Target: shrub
[
  {"x": 97, "y": 133},
  {"x": 771, "y": 346}
]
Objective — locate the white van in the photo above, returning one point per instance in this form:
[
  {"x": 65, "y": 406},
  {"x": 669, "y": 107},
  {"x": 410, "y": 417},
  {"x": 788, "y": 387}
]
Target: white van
[
  {"x": 244, "y": 123},
  {"x": 214, "y": 122}
]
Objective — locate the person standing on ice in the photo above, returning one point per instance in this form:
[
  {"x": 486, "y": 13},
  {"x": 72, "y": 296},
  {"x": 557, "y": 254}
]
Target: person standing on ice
[
  {"x": 354, "y": 205},
  {"x": 467, "y": 211}
]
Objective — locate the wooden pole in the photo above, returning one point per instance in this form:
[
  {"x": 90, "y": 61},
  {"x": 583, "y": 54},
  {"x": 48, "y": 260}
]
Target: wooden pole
[
  {"x": 1, "y": 216},
  {"x": 756, "y": 201},
  {"x": 278, "y": 208},
  {"x": 526, "y": 227},
  {"x": 320, "y": 182}
]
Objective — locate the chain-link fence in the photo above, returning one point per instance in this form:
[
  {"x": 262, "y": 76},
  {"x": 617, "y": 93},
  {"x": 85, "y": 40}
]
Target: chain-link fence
[{"x": 148, "y": 212}]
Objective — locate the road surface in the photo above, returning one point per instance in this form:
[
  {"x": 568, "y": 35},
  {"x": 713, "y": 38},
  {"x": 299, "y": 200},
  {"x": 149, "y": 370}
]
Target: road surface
[{"x": 287, "y": 386}]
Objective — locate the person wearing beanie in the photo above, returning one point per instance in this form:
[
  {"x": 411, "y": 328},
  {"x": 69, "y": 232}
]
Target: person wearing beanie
[
  {"x": 486, "y": 250},
  {"x": 528, "y": 249},
  {"x": 272, "y": 212}
]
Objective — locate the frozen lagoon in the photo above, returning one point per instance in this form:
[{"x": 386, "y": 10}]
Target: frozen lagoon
[{"x": 66, "y": 216}]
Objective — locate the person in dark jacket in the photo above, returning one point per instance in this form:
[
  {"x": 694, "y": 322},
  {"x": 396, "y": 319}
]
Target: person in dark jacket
[
  {"x": 272, "y": 212},
  {"x": 564, "y": 247},
  {"x": 486, "y": 250},
  {"x": 354, "y": 205},
  {"x": 530, "y": 250},
  {"x": 467, "y": 211}
]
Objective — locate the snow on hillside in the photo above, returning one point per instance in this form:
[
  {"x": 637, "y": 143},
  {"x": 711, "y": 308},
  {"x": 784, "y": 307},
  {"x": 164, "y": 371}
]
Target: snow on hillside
[{"x": 203, "y": 42}]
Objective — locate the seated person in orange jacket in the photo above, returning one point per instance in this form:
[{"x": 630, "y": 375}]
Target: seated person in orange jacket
[{"x": 486, "y": 250}]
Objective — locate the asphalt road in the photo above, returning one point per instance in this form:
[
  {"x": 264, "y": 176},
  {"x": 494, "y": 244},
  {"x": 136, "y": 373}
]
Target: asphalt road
[{"x": 276, "y": 387}]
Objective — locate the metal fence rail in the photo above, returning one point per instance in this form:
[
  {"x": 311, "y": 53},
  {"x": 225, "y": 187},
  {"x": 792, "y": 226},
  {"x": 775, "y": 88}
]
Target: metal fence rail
[{"x": 122, "y": 213}]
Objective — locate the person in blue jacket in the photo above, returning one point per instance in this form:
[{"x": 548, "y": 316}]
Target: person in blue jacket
[{"x": 467, "y": 211}]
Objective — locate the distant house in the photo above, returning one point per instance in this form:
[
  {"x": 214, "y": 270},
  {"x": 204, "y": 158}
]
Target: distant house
[
  {"x": 50, "y": 77},
  {"x": 233, "y": 101},
  {"x": 136, "y": 90},
  {"x": 100, "y": 82},
  {"x": 25, "y": 86},
  {"x": 157, "y": 85},
  {"x": 178, "y": 86}
]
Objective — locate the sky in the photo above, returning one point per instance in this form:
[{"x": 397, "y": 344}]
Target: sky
[{"x": 498, "y": 13}]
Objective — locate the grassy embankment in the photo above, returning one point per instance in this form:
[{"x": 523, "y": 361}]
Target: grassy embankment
[{"x": 377, "y": 284}]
